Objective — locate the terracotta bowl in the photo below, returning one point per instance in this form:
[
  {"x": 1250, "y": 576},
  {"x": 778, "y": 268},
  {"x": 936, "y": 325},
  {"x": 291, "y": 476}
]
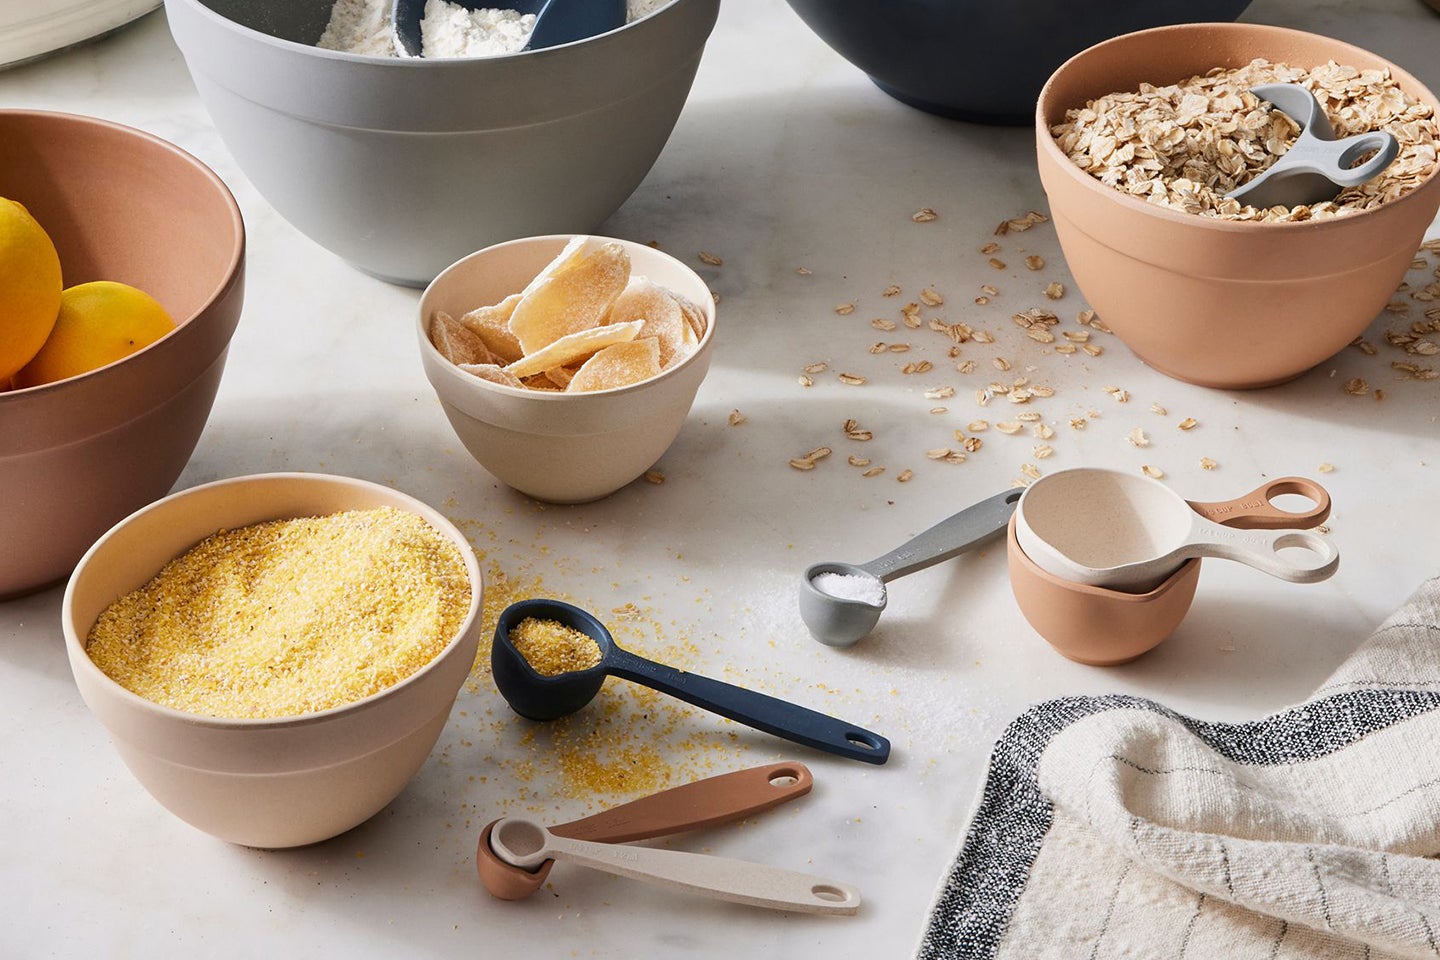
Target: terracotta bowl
[
  {"x": 79, "y": 454},
  {"x": 560, "y": 447},
  {"x": 402, "y": 166},
  {"x": 262, "y": 783},
  {"x": 1218, "y": 303},
  {"x": 1095, "y": 625}
]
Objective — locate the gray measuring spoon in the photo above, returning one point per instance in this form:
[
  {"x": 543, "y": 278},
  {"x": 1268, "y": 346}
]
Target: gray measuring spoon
[
  {"x": 1317, "y": 166},
  {"x": 840, "y": 620},
  {"x": 556, "y": 21}
]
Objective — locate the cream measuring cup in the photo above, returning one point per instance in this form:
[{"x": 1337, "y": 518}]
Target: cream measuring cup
[{"x": 1127, "y": 532}]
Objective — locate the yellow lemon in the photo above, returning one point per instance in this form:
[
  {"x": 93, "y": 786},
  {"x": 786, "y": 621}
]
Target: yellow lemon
[
  {"x": 99, "y": 323},
  {"x": 29, "y": 287}
]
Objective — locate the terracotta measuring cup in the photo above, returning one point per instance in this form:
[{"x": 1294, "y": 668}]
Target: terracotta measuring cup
[
  {"x": 525, "y": 843},
  {"x": 840, "y": 621},
  {"x": 1104, "y": 627},
  {"x": 1127, "y": 532},
  {"x": 538, "y": 697},
  {"x": 691, "y": 806}
]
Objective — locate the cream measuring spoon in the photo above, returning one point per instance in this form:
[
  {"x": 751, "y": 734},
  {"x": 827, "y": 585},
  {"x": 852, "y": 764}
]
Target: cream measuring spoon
[
  {"x": 1317, "y": 166},
  {"x": 1127, "y": 532},
  {"x": 526, "y": 843},
  {"x": 838, "y": 620}
]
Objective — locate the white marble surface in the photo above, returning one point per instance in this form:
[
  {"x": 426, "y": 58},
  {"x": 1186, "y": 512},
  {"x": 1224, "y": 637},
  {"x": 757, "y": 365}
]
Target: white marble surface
[{"x": 785, "y": 157}]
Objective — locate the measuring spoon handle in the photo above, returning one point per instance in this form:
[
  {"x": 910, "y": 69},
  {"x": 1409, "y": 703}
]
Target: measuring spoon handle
[
  {"x": 774, "y": 716},
  {"x": 1255, "y": 511},
  {"x": 950, "y": 537},
  {"x": 738, "y": 881},
  {"x": 694, "y": 806},
  {"x": 1261, "y": 549}
]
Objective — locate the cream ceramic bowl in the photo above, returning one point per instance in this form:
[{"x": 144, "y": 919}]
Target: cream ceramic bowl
[
  {"x": 276, "y": 782},
  {"x": 1215, "y": 302},
  {"x": 560, "y": 447}
]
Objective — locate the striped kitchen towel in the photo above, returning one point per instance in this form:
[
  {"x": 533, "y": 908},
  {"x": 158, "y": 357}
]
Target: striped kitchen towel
[{"x": 1113, "y": 827}]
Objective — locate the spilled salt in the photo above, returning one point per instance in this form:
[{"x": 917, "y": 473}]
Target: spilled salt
[{"x": 849, "y": 586}]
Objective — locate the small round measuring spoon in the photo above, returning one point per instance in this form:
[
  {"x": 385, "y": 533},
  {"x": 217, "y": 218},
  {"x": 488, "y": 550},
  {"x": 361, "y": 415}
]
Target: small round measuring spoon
[
  {"x": 556, "y": 21},
  {"x": 1317, "y": 166},
  {"x": 690, "y": 806},
  {"x": 525, "y": 843},
  {"x": 842, "y": 602},
  {"x": 539, "y": 697},
  {"x": 1128, "y": 532}
]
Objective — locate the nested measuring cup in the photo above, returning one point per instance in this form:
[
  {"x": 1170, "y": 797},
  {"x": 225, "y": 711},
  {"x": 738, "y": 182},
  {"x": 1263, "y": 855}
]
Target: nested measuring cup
[{"x": 1127, "y": 532}]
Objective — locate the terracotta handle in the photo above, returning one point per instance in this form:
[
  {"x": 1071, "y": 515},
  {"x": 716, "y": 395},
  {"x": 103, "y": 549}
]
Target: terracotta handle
[
  {"x": 691, "y": 806},
  {"x": 1254, "y": 510}
]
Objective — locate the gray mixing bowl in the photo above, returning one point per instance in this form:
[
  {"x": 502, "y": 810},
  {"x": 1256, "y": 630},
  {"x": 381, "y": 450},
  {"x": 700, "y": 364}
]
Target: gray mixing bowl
[
  {"x": 978, "y": 59},
  {"x": 403, "y": 166}
]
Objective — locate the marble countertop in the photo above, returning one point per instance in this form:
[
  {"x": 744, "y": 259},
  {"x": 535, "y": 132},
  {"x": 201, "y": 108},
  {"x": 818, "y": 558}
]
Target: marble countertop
[{"x": 785, "y": 158}]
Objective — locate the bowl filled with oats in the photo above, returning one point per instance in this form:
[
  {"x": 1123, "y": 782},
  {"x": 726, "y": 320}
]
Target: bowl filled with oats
[
  {"x": 1140, "y": 139},
  {"x": 567, "y": 364},
  {"x": 275, "y": 656},
  {"x": 400, "y": 165}
]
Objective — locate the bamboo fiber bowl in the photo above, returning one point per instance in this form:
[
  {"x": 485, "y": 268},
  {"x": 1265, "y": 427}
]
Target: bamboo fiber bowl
[
  {"x": 561, "y": 447},
  {"x": 1214, "y": 302},
  {"x": 79, "y": 454},
  {"x": 275, "y": 782},
  {"x": 1097, "y": 625},
  {"x": 403, "y": 166}
]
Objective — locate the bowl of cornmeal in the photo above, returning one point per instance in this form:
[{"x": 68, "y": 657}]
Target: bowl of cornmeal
[
  {"x": 274, "y": 656},
  {"x": 401, "y": 165}
]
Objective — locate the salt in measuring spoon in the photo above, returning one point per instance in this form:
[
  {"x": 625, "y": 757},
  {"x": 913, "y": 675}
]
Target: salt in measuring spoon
[
  {"x": 556, "y": 21},
  {"x": 840, "y": 621},
  {"x": 538, "y": 697},
  {"x": 1127, "y": 532},
  {"x": 526, "y": 843}
]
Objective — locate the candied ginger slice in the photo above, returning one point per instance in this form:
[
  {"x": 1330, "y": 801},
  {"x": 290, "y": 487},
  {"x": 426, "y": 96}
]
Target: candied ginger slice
[
  {"x": 560, "y": 376},
  {"x": 492, "y": 326},
  {"x": 573, "y": 298},
  {"x": 694, "y": 316},
  {"x": 493, "y": 373},
  {"x": 659, "y": 308},
  {"x": 618, "y": 366},
  {"x": 457, "y": 342},
  {"x": 574, "y": 346}
]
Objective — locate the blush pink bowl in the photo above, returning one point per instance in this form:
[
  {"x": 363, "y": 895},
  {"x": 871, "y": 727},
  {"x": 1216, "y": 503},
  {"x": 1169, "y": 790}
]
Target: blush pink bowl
[
  {"x": 79, "y": 454},
  {"x": 1214, "y": 302}
]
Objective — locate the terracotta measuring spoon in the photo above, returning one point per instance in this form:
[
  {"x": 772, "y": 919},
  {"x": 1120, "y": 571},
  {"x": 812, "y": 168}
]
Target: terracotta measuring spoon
[
  {"x": 691, "y": 806},
  {"x": 526, "y": 843},
  {"x": 539, "y": 697},
  {"x": 1256, "y": 510},
  {"x": 1128, "y": 532}
]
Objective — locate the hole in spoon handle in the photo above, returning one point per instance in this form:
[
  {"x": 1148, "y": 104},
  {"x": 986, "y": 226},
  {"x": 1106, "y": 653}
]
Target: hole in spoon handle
[{"x": 1257, "y": 511}]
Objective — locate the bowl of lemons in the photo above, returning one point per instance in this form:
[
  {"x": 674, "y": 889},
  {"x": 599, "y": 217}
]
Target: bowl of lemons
[{"x": 121, "y": 280}]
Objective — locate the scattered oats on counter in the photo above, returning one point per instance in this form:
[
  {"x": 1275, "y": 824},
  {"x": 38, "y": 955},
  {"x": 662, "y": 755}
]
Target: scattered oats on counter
[
  {"x": 288, "y": 617},
  {"x": 1185, "y": 145},
  {"x": 924, "y": 215}
]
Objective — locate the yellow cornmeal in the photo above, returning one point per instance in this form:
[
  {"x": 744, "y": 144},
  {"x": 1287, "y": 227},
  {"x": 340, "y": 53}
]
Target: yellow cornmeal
[
  {"x": 288, "y": 617},
  {"x": 553, "y": 648}
]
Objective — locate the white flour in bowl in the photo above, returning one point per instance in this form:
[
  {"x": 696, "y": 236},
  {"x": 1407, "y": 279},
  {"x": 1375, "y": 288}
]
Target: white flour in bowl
[{"x": 447, "y": 30}]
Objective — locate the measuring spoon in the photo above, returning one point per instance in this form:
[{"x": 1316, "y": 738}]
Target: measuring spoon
[
  {"x": 556, "y": 21},
  {"x": 1128, "y": 532},
  {"x": 840, "y": 621},
  {"x": 525, "y": 843},
  {"x": 691, "y": 806},
  {"x": 1256, "y": 510},
  {"x": 1317, "y": 166},
  {"x": 539, "y": 697}
]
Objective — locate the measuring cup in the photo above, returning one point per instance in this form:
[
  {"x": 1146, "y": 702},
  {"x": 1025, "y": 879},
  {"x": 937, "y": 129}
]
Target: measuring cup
[
  {"x": 1317, "y": 166},
  {"x": 528, "y": 844},
  {"x": 1128, "y": 532},
  {"x": 691, "y": 806},
  {"x": 538, "y": 697},
  {"x": 840, "y": 621},
  {"x": 556, "y": 21}
]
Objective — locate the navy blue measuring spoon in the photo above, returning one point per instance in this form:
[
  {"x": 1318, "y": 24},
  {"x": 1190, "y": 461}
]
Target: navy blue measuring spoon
[
  {"x": 538, "y": 697},
  {"x": 556, "y": 21}
]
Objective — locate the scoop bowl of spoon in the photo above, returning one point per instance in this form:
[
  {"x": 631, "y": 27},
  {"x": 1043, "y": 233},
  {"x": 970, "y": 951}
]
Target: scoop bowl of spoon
[
  {"x": 539, "y": 697},
  {"x": 556, "y": 21}
]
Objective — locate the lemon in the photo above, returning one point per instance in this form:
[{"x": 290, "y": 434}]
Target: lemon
[
  {"x": 29, "y": 287},
  {"x": 98, "y": 323}
]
